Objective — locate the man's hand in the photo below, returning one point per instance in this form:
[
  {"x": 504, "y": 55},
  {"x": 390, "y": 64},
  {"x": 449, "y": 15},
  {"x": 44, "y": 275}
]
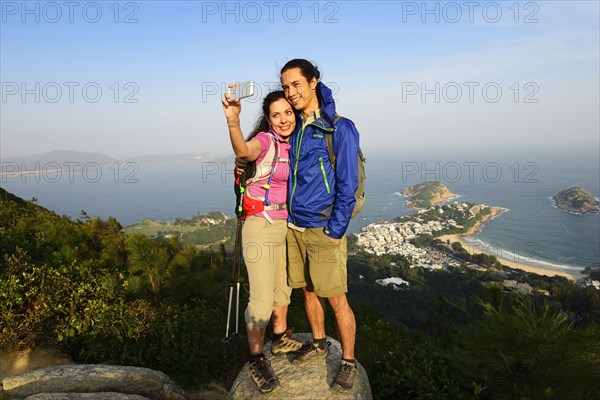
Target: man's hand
[
  {"x": 334, "y": 241},
  {"x": 240, "y": 163}
]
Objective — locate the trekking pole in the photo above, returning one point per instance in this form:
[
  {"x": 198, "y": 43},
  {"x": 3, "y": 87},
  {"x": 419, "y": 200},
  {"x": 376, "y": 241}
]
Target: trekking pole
[
  {"x": 236, "y": 262},
  {"x": 229, "y": 312},
  {"x": 237, "y": 307},
  {"x": 237, "y": 254},
  {"x": 235, "y": 277}
]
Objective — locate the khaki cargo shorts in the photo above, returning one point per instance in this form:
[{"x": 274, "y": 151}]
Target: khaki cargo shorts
[{"x": 316, "y": 263}]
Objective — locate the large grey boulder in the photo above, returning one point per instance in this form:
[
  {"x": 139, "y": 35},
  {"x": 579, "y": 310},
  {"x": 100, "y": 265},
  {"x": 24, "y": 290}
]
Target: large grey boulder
[
  {"x": 311, "y": 381},
  {"x": 90, "y": 378}
]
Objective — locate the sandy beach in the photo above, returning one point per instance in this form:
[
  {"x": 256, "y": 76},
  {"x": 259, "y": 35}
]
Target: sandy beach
[
  {"x": 536, "y": 269},
  {"x": 472, "y": 249}
]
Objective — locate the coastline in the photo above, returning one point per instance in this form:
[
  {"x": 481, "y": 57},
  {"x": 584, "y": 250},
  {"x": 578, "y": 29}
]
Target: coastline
[{"x": 533, "y": 268}]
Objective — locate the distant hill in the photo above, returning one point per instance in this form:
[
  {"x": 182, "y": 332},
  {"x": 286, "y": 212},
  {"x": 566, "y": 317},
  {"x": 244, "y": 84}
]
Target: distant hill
[
  {"x": 577, "y": 200},
  {"x": 427, "y": 194},
  {"x": 77, "y": 160},
  {"x": 170, "y": 158},
  {"x": 201, "y": 230},
  {"x": 61, "y": 157}
]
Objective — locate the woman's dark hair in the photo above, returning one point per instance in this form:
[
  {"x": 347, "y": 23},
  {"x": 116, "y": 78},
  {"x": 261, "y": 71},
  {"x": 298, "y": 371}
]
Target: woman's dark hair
[
  {"x": 262, "y": 123},
  {"x": 307, "y": 68}
]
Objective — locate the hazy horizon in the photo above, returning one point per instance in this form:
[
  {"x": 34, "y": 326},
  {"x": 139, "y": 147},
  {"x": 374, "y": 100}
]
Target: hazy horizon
[{"x": 582, "y": 153}]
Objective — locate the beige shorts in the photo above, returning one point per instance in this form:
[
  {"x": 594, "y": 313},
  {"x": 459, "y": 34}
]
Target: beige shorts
[
  {"x": 316, "y": 263},
  {"x": 263, "y": 248}
]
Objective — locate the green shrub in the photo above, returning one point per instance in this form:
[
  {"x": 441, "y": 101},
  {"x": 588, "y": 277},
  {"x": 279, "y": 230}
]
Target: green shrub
[{"x": 401, "y": 364}]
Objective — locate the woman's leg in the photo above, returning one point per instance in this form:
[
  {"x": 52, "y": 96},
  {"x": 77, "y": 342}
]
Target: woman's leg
[
  {"x": 256, "y": 241},
  {"x": 256, "y": 339},
  {"x": 281, "y": 290}
]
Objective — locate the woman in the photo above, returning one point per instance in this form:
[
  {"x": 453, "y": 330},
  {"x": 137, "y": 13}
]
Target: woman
[{"x": 265, "y": 228}]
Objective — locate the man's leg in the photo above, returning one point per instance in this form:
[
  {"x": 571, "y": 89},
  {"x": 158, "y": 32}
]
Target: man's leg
[
  {"x": 315, "y": 311},
  {"x": 283, "y": 341},
  {"x": 346, "y": 324},
  {"x": 279, "y": 319},
  {"x": 299, "y": 277},
  {"x": 330, "y": 277}
]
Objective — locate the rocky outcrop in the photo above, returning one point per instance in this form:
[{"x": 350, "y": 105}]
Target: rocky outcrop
[
  {"x": 87, "y": 379},
  {"x": 427, "y": 194},
  {"x": 312, "y": 381},
  {"x": 576, "y": 200}
]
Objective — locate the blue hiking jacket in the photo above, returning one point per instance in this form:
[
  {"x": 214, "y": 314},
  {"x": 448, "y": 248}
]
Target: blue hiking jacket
[{"x": 318, "y": 195}]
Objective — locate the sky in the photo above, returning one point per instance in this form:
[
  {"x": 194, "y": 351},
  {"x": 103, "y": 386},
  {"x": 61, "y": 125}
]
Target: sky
[{"x": 131, "y": 78}]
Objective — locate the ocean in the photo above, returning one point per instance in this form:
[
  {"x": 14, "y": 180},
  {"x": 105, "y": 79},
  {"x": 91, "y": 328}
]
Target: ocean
[{"x": 531, "y": 230}]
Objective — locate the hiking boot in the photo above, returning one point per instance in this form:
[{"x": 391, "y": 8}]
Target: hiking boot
[
  {"x": 345, "y": 377},
  {"x": 309, "y": 352},
  {"x": 286, "y": 344},
  {"x": 263, "y": 375}
]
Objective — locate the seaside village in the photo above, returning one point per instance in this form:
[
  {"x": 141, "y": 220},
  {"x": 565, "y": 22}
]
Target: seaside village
[{"x": 394, "y": 238}]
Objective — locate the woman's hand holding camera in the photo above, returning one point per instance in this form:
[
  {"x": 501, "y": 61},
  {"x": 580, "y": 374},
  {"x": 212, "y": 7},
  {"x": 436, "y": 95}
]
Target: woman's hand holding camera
[{"x": 232, "y": 109}]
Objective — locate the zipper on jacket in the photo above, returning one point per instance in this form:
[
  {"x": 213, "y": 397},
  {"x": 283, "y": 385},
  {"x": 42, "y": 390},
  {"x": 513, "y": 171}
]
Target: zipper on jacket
[
  {"x": 298, "y": 145},
  {"x": 295, "y": 171},
  {"x": 324, "y": 175}
]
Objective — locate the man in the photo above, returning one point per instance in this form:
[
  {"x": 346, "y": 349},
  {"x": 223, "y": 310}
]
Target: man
[{"x": 320, "y": 203}]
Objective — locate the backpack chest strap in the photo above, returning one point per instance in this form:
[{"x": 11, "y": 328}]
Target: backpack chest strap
[{"x": 276, "y": 207}]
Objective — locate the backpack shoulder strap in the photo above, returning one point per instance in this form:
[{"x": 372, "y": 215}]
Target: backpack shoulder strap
[
  {"x": 264, "y": 168},
  {"x": 329, "y": 142}
]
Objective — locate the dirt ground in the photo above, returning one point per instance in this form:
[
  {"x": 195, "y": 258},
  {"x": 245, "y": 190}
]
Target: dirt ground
[{"x": 17, "y": 362}]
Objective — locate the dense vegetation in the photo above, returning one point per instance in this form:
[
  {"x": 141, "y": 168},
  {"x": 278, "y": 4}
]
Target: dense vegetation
[{"x": 100, "y": 295}]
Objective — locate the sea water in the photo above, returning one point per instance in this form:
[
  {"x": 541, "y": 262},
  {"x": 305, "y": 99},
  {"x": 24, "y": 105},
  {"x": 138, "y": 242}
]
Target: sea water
[{"x": 532, "y": 229}]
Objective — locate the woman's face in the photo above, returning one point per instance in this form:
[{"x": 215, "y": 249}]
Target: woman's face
[{"x": 282, "y": 118}]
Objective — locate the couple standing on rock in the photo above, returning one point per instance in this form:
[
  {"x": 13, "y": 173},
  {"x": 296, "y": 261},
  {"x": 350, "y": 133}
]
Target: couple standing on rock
[{"x": 294, "y": 234}]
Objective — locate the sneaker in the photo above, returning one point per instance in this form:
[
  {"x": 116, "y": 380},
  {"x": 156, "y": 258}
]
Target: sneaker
[
  {"x": 263, "y": 375},
  {"x": 309, "y": 352},
  {"x": 345, "y": 377},
  {"x": 286, "y": 344}
]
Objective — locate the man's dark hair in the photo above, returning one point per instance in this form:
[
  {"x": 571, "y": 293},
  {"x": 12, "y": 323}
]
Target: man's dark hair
[{"x": 309, "y": 70}]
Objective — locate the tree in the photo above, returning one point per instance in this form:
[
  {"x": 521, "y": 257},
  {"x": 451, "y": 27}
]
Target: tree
[{"x": 149, "y": 261}]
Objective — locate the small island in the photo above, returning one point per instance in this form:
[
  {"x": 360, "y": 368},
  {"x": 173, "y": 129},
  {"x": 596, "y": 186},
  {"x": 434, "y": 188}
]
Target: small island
[
  {"x": 576, "y": 200},
  {"x": 427, "y": 194}
]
